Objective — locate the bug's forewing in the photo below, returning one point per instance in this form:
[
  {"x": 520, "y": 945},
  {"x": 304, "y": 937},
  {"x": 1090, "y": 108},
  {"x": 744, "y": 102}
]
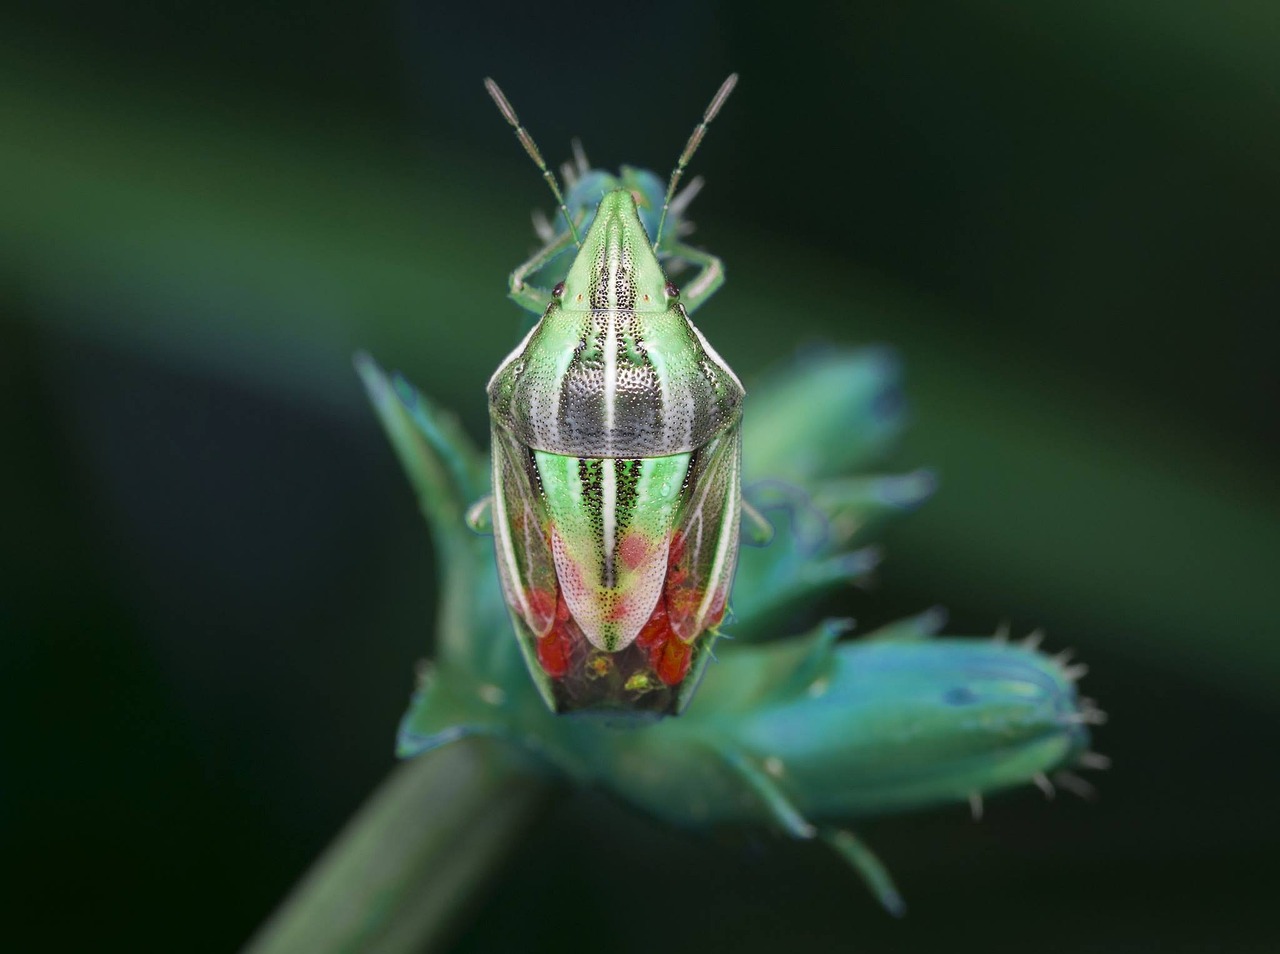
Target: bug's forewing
[
  {"x": 705, "y": 545},
  {"x": 521, "y": 532}
]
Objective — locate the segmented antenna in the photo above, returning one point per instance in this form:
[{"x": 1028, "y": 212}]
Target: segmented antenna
[
  {"x": 695, "y": 140},
  {"x": 531, "y": 147}
]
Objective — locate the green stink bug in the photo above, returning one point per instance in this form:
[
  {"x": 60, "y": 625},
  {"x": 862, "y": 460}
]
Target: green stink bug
[{"x": 616, "y": 454}]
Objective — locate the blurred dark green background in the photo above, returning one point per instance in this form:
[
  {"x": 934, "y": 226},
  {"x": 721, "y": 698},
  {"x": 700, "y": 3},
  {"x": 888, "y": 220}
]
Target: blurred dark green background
[{"x": 215, "y": 585}]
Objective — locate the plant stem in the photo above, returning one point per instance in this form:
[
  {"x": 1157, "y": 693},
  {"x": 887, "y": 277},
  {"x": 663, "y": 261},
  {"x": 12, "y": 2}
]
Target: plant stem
[{"x": 413, "y": 857}]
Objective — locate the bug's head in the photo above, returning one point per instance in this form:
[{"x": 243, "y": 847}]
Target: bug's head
[{"x": 616, "y": 267}]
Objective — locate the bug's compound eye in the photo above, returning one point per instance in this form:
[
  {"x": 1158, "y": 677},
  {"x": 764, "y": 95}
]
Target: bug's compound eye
[
  {"x": 558, "y": 291},
  {"x": 672, "y": 291}
]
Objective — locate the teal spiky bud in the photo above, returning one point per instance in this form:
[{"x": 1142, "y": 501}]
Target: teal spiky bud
[{"x": 802, "y": 733}]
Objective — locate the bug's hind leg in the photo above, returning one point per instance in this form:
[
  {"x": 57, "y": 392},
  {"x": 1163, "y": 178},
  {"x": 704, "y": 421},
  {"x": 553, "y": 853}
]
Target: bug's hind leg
[
  {"x": 708, "y": 280},
  {"x": 531, "y": 297},
  {"x": 757, "y": 531}
]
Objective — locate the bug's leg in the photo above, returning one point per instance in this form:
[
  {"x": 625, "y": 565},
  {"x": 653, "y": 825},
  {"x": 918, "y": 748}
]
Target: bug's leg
[
  {"x": 757, "y": 531},
  {"x": 775, "y": 800},
  {"x": 530, "y": 297},
  {"x": 708, "y": 280},
  {"x": 810, "y": 527},
  {"x": 872, "y": 870}
]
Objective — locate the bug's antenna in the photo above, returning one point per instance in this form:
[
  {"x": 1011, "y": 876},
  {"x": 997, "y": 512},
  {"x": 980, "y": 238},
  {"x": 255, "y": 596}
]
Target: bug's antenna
[
  {"x": 531, "y": 147},
  {"x": 695, "y": 140}
]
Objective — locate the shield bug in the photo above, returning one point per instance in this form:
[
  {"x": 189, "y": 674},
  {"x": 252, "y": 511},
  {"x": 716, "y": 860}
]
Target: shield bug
[{"x": 616, "y": 452}]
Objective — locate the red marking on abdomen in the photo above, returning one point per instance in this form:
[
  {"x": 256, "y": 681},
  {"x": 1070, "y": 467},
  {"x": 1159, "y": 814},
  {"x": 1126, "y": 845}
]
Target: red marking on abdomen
[
  {"x": 542, "y": 602},
  {"x": 668, "y": 654},
  {"x": 633, "y": 550},
  {"x": 654, "y": 631},
  {"x": 555, "y": 651},
  {"x": 682, "y": 601},
  {"x": 672, "y": 664},
  {"x": 676, "y": 550},
  {"x": 618, "y": 611},
  {"x": 683, "y": 596}
]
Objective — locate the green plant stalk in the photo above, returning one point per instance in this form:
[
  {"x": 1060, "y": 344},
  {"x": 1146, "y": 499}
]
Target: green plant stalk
[
  {"x": 408, "y": 863},
  {"x": 403, "y": 870}
]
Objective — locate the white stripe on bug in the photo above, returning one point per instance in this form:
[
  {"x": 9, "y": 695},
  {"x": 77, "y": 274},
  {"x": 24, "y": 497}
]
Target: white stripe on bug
[
  {"x": 611, "y": 343},
  {"x": 505, "y": 551},
  {"x": 711, "y": 352},
  {"x": 727, "y": 541},
  {"x": 693, "y": 530}
]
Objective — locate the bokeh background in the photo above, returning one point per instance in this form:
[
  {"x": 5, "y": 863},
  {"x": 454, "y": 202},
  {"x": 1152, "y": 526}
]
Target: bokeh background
[{"x": 1065, "y": 216}]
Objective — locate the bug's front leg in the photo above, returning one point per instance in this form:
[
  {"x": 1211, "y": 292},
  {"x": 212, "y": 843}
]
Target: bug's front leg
[
  {"x": 531, "y": 297},
  {"x": 708, "y": 280}
]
